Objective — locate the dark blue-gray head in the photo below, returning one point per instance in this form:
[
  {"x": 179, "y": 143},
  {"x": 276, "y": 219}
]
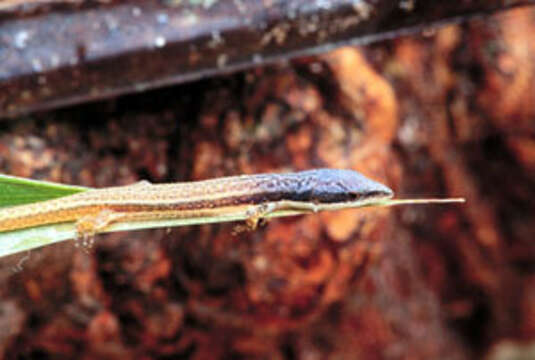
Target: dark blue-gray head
[{"x": 337, "y": 185}]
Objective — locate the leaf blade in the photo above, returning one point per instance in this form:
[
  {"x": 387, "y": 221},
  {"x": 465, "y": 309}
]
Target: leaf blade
[{"x": 17, "y": 190}]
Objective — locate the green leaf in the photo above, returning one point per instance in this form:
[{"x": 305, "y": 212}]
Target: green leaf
[
  {"x": 16, "y": 190},
  {"x": 12, "y": 242}
]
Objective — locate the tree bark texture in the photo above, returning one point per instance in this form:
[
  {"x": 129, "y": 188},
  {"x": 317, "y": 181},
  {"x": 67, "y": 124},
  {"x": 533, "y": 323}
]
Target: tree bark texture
[{"x": 59, "y": 52}]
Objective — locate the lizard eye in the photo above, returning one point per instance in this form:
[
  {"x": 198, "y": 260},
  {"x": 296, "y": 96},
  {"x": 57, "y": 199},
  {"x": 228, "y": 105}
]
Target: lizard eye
[
  {"x": 355, "y": 195},
  {"x": 380, "y": 194}
]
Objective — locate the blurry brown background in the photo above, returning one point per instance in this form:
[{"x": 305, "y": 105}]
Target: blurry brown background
[{"x": 447, "y": 112}]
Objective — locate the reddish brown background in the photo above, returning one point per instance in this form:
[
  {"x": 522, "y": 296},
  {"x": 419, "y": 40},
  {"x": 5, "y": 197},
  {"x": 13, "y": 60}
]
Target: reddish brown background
[{"x": 443, "y": 113}]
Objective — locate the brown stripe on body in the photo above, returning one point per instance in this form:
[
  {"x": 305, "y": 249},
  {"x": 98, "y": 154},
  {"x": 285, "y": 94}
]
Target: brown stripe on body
[
  {"x": 75, "y": 212},
  {"x": 207, "y": 190},
  {"x": 241, "y": 200}
]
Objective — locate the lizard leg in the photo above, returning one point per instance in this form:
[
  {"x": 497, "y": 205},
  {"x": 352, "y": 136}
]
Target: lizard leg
[
  {"x": 88, "y": 226},
  {"x": 257, "y": 214}
]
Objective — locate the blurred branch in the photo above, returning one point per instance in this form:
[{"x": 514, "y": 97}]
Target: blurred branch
[{"x": 54, "y": 53}]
